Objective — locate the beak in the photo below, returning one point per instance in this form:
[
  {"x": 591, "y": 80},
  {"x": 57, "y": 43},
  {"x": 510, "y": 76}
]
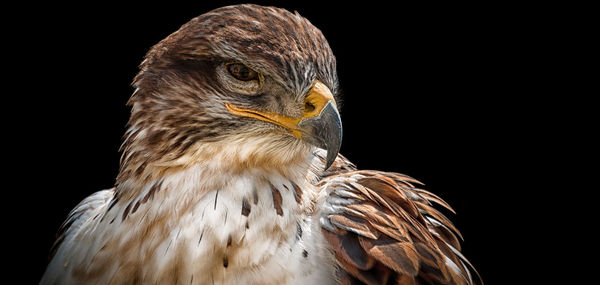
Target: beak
[
  {"x": 322, "y": 126},
  {"x": 319, "y": 125}
]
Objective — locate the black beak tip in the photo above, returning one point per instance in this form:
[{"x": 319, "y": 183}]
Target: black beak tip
[
  {"x": 325, "y": 131},
  {"x": 331, "y": 156},
  {"x": 334, "y": 135}
]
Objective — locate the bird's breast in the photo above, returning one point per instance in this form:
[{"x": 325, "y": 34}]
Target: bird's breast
[{"x": 256, "y": 228}]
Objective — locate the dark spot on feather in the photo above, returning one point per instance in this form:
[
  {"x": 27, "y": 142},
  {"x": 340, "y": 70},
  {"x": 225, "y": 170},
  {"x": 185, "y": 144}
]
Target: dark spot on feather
[
  {"x": 126, "y": 212},
  {"x": 140, "y": 170},
  {"x": 153, "y": 190},
  {"x": 297, "y": 193},
  {"x": 112, "y": 203},
  {"x": 286, "y": 188},
  {"x": 103, "y": 216},
  {"x": 277, "y": 200},
  {"x": 247, "y": 226},
  {"x": 216, "y": 198},
  {"x": 229, "y": 240},
  {"x": 201, "y": 235},
  {"x": 299, "y": 230},
  {"x": 246, "y": 207},
  {"x": 225, "y": 220},
  {"x": 168, "y": 246},
  {"x": 225, "y": 261},
  {"x": 135, "y": 207},
  {"x": 255, "y": 195},
  {"x": 305, "y": 253},
  {"x": 113, "y": 219}
]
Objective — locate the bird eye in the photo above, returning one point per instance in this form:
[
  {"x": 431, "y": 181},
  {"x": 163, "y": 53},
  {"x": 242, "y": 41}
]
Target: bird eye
[{"x": 241, "y": 72}]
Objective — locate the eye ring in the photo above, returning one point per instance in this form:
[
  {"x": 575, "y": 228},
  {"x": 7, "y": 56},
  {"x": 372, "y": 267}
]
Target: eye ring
[
  {"x": 242, "y": 72},
  {"x": 248, "y": 84}
]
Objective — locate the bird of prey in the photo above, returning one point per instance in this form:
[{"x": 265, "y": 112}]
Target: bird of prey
[{"x": 230, "y": 174}]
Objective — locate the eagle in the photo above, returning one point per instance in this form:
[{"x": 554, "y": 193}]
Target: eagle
[{"x": 230, "y": 174}]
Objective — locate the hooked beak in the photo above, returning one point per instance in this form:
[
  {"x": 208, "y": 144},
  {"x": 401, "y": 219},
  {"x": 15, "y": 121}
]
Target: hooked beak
[{"x": 319, "y": 125}]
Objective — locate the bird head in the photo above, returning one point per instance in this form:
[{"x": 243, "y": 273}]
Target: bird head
[{"x": 253, "y": 84}]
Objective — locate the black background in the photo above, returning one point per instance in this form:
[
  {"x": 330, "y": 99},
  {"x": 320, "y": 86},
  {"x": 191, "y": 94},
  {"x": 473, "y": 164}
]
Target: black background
[{"x": 441, "y": 93}]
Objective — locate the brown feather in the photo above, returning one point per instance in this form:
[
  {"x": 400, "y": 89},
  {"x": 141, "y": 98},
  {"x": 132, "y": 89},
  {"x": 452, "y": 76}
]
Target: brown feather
[
  {"x": 277, "y": 200},
  {"x": 346, "y": 247},
  {"x": 379, "y": 275},
  {"x": 399, "y": 256},
  {"x": 353, "y": 224},
  {"x": 430, "y": 211},
  {"x": 434, "y": 198},
  {"x": 402, "y": 279},
  {"x": 297, "y": 193},
  {"x": 443, "y": 232},
  {"x": 246, "y": 208},
  {"x": 396, "y": 225}
]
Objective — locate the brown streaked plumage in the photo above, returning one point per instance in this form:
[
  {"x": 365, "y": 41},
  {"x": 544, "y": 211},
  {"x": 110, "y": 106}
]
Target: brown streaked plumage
[
  {"x": 388, "y": 231},
  {"x": 231, "y": 175},
  {"x": 276, "y": 200}
]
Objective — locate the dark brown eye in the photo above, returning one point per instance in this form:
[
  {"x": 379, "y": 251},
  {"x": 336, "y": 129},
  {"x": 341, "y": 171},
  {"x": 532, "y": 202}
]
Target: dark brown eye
[{"x": 242, "y": 72}]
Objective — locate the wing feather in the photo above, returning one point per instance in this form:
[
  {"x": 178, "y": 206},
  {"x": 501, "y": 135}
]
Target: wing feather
[
  {"x": 69, "y": 246},
  {"x": 398, "y": 255},
  {"x": 384, "y": 230},
  {"x": 356, "y": 225},
  {"x": 84, "y": 211}
]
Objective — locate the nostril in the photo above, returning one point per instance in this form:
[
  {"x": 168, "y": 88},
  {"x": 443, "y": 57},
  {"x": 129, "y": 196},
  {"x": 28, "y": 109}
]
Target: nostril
[{"x": 309, "y": 107}]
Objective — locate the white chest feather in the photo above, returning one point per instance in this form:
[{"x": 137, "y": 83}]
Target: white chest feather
[
  {"x": 252, "y": 229},
  {"x": 255, "y": 232}
]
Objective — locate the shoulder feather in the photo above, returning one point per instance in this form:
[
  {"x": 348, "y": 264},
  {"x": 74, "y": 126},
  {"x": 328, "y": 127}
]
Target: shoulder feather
[{"x": 383, "y": 229}]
